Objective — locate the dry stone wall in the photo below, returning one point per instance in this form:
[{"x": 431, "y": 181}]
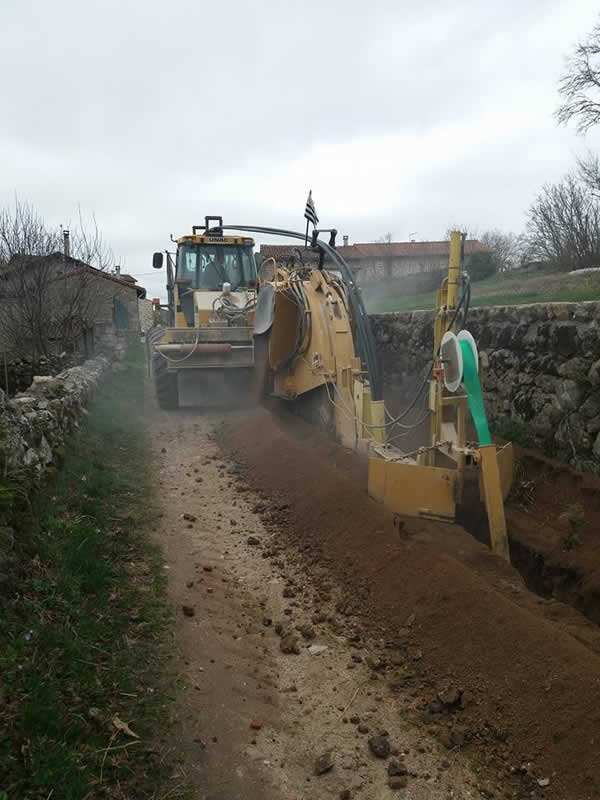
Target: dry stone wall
[
  {"x": 35, "y": 424},
  {"x": 540, "y": 371}
]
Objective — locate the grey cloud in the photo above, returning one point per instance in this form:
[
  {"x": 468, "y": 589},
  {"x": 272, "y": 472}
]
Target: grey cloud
[{"x": 144, "y": 112}]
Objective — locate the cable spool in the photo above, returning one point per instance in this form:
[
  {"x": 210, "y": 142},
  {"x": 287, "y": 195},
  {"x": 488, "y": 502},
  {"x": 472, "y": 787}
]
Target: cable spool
[{"x": 452, "y": 360}]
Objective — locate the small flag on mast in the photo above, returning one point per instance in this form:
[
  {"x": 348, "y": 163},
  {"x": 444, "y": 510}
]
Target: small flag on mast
[{"x": 310, "y": 212}]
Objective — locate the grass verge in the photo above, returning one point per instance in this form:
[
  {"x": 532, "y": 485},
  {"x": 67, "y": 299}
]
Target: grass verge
[
  {"x": 82, "y": 640},
  {"x": 506, "y": 289}
]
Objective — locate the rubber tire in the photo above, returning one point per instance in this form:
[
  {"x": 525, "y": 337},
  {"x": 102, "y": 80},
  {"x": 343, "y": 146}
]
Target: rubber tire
[{"x": 165, "y": 383}]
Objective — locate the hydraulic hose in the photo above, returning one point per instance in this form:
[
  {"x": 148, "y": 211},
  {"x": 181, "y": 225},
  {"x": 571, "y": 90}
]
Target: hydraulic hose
[{"x": 365, "y": 340}]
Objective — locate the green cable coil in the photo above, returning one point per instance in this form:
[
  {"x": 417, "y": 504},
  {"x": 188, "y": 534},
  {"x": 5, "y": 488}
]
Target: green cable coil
[{"x": 474, "y": 395}]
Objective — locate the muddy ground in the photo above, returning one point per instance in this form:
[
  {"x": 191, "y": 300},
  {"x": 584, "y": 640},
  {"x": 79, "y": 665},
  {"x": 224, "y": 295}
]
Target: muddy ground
[{"x": 317, "y": 634}]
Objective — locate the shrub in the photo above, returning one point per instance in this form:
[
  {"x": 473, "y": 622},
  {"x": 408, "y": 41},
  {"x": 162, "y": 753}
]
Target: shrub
[{"x": 480, "y": 265}]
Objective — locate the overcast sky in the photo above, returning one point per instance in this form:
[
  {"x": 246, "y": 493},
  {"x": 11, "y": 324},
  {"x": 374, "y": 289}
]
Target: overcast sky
[{"x": 401, "y": 117}]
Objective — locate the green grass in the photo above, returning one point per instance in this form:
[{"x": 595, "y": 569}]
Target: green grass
[
  {"x": 82, "y": 639},
  {"x": 512, "y": 288}
]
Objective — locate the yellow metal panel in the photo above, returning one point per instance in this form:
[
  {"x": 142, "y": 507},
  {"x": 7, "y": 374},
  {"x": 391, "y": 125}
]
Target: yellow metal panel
[
  {"x": 506, "y": 465},
  {"x": 506, "y": 468},
  {"x": 453, "y": 268},
  {"x": 232, "y": 240},
  {"x": 412, "y": 489},
  {"x": 377, "y": 418},
  {"x": 493, "y": 500}
]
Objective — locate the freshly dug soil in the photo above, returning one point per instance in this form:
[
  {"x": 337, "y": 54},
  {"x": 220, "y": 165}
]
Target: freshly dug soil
[
  {"x": 530, "y": 667},
  {"x": 553, "y": 518}
]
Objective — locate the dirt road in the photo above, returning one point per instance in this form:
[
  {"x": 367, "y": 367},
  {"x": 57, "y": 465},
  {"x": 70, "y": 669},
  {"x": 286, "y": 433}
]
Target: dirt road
[
  {"x": 312, "y": 637},
  {"x": 258, "y": 708}
]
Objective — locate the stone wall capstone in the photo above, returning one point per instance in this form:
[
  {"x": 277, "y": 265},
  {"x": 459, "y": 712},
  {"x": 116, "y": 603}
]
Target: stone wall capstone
[{"x": 540, "y": 367}]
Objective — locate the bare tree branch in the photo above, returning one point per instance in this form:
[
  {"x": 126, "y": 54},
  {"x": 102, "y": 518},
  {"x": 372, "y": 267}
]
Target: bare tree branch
[
  {"x": 579, "y": 87},
  {"x": 507, "y": 248},
  {"x": 564, "y": 225},
  {"x": 88, "y": 244}
]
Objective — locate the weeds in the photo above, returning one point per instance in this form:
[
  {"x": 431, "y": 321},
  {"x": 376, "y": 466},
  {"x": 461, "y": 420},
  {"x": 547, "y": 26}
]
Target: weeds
[{"x": 81, "y": 643}]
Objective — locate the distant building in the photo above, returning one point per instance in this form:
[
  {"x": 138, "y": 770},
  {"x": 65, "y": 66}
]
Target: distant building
[
  {"x": 288, "y": 254},
  {"x": 375, "y": 263}
]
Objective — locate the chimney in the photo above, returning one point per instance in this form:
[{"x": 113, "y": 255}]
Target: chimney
[
  {"x": 117, "y": 269},
  {"x": 66, "y": 244},
  {"x": 345, "y": 240}
]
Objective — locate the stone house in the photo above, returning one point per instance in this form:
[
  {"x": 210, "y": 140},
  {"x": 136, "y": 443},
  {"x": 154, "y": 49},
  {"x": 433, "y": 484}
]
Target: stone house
[
  {"x": 376, "y": 263},
  {"x": 56, "y": 303}
]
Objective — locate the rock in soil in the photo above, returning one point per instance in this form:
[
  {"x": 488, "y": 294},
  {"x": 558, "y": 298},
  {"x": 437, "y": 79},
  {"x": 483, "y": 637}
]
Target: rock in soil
[
  {"x": 307, "y": 631},
  {"x": 253, "y": 540},
  {"x": 188, "y": 611},
  {"x": 450, "y": 697},
  {"x": 380, "y": 746},
  {"x": 396, "y": 767},
  {"x": 324, "y": 763},
  {"x": 397, "y": 782},
  {"x": 289, "y": 645}
]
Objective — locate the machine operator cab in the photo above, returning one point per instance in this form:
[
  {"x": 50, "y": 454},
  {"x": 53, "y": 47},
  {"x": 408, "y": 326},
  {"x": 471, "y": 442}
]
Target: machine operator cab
[
  {"x": 208, "y": 264},
  {"x": 211, "y": 268}
]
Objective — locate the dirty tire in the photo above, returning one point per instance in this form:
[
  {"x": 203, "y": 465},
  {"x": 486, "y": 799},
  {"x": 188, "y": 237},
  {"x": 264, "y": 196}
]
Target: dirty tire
[{"x": 165, "y": 383}]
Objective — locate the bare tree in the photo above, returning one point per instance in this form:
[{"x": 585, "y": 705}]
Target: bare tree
[
  {"x": 385, "y": 239},
  {"x": 24, "y": 233},
  {"x": 507, "y": 248},
  {"x": 89, "y": 245},
  {"x": 564, "y": 225},
  {"x": 579, "y": 87},
  {"x": 588, "y": 172},
  {"x": 47, "y": 300},
  {"x": 25, "y": 276}
]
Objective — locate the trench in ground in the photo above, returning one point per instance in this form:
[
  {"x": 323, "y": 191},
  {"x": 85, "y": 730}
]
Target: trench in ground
[{"x": 552, "y": 515}]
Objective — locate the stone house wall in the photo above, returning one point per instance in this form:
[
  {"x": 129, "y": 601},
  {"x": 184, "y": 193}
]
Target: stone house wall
[
  {"x": 380, "y": 268},
  {"x": 101, "y": 309},
  {"x": 146, "y": 315},
  {"x": 109, "y": 299},
  {"x": 540, "y": 367}
]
